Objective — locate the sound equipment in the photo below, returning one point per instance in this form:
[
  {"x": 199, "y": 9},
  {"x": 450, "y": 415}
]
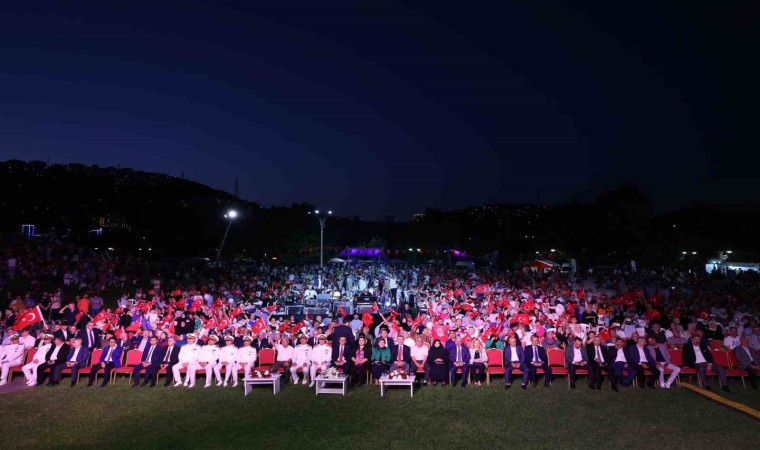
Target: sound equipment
[
  {"x": 315, "y": 311},
  {"x": 361, "y": 308},
  {"x": 294, "y": 310}
]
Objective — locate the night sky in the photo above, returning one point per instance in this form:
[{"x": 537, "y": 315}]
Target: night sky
[{"x": 379, "y": 108}]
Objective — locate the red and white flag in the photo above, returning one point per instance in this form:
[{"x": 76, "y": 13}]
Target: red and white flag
[{"x": 27, "y": 318}]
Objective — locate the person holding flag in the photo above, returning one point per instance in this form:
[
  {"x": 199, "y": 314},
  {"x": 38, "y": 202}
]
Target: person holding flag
[{"x": 28, "y": 318}]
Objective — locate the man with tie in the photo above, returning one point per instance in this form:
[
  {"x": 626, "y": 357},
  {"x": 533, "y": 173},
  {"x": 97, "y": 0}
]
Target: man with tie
[
  {"x": 514, "y": 359},
  {"x": 170, "y": 358},
  {"x": 149, "y": 362},
  {"x": 459, "y": 355},
  {"x": 341, "y": 355},
  {"x": 701, "y": 359},
  {"x": 575, "y": 358},
  {"x": 75, "y": 360},
  {"x": 747, "y": 359},
  {"x": 110, "y": 359},
  {"x": 535, "y": 358},
  {"x": 642, "y": 360},
  {"x": 56, "y": 355},
  {"x": 90, "y": 336},
  {"x": 401, "y": 355},
  {"x": 597, "y": 360}
]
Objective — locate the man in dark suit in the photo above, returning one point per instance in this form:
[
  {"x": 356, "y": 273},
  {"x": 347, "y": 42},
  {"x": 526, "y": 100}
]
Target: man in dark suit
[
  {"x": 260, "y": 342},
  {"x": 56, "y": 355},
  {"x": 151, "y": 357},
  {"x": 342, "y": 354},
  {"x": 576, "y": 358},
  {"x": 748, "y": 360},
  {"x": 459, "y": 355},
  {"x": 597, "y": 360},
  {"x": 90, "y": 336},
  {"x": 75, "y": 360},
  {"x": 339, "y": 330},
  {"x": 110, "y": 359},
  {"x": 696, "y": 357},
  {"x": 169, "y": 358},
  {"x": 514, "y": 359},
  {"x": 534, "y": 358},
  {"x": 401, "y": 355},
  {"x": 642, "y": 360}
]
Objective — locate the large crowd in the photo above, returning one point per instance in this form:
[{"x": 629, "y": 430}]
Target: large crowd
[{"x": 444, "y": 325}]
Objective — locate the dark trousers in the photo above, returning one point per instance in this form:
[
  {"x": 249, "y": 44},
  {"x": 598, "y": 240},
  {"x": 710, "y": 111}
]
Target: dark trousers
[
  {"x": 453, "y": 374},
  {"x": 478, "y": 372},
  {"x": 533, "y": 372},
  {"x": 41, "y": 372},
  {"x": 56, "y": 376},
  {"x": 508, "y": 373},
  {"x": 151, "y": 372},
  {"x": 595, "y": 374},
  {"x": 359, "y": 373},
  {"x": 571, "y": 370},
  {"x": 106, "y": 373},
  {"x": 752, "y": 376},
  {"x": 285, "y": 365},
  {"x": 378, "y": 368},
  {"x": 640, "y": 375},
  {"x": 169, "y": 373}
]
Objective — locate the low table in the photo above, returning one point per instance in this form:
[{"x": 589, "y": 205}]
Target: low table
[
  {"x": 274, "y": 380},
  {"x": 385, "y": 381},
  {"x": 322, "y": 383}
]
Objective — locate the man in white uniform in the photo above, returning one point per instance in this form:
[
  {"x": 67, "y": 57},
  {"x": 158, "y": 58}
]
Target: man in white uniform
[
  {"x": 188, "y": 360},
  {"x": 321, "y": 356},
  {"x": 14, "y": 356},
  {"x": 30, "y": 370},
  {"x": 301, "y": 359},
  {"x": 246, "y": 358},
  {"x": 208, "y": 357},
  {"x": 227, "y": 360}
]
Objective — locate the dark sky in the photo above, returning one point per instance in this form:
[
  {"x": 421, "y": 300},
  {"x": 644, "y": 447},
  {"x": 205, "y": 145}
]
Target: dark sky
[{"x": 375, "y": 108}]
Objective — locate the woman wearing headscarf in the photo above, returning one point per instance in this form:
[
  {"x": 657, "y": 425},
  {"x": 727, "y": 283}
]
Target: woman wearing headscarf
[
  {"x": 381, "y": 359},
  {"x": 361, "y": 361},
  {"x": 438, "y": 359}
]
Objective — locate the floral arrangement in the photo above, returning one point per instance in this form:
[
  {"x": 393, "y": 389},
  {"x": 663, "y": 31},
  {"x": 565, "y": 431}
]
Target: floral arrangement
[
  {"x": 397, "y": 374},
  {"x": 332, "y": 372},
  {"x": 262, "y": 374}
]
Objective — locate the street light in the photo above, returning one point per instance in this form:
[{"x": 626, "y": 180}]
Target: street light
[
  {"x": 322, "y": 219},
  {"x": 231, "y": 215}
]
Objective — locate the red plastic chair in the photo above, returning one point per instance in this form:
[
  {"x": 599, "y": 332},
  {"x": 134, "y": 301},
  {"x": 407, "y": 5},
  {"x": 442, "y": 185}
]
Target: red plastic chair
[
  {"x": 715, "y": 345},
  {"x": 556, "y": 359},
  {"x": 94, "y": 359},
  {"x": 495, "y": 364},
  {"x": 133, "y": 359},
  {"x": 27, "y": 359},
  {"x": 723, "y": 359},
  {"x": 266, "y": 358}
]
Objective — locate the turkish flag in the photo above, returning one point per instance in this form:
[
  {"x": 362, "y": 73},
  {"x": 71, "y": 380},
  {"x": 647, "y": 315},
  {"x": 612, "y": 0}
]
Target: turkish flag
[
  {"x": 375, "y": 308},
  {"x": 223, "y": 324},
  {"x": 297, "y": 327},
  {"x": 523, "y": 319},
  {"x": 27, "y": 318},
  {"x": 209, "y": 324},
  {"x": 342, "y": 312},
  {"x": 259, "y": 326},
  {"x": 367, "y": 319},
  {"x": 482, "y": 289},
  {"x": 101, "y": 316},
  {"x": 237, "y": 311}
]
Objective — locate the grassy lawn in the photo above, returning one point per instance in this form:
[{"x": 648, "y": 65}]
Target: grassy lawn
[{"x": 122, "y": 417}]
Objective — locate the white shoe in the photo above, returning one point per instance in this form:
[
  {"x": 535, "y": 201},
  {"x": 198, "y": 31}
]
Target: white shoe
[
  {"x": 311, "y": 385},
  {"x": 178, "y": 384},
  {"x": 190, "y": 386},
  {"x": 234, "y": 385},
  {"x": 219, "y": 383},
  {"x": 31, "y": 383},
  {"x": 208, "y": 385},
  {"x": 304, "y": 381},
  {"x": 666, "y": 386},
  {"x": 224, "y": 384},
  {"x": 294, "y": 380},
  {"x": 3, "y": 383}
]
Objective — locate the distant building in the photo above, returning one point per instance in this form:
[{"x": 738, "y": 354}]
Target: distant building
[{"x": 114, "y": 223}]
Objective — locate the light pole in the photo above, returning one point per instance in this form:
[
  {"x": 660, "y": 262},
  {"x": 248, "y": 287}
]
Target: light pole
[
  {"x": 322, "y": 219},
  {"x": 231, "y": 214}
]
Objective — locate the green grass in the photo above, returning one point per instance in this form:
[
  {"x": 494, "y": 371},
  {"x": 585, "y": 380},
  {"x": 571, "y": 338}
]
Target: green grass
[{"x": 442, "y": 417}]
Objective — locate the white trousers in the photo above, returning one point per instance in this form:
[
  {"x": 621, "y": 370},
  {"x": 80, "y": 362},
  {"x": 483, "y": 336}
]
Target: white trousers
[
  {"x": 676, "y": 370},
  {"x": 6, "y": 367},
  {"x": 229, "y": 367},
  {"x": 248, "y": 368},
  {"x": 189, "y": 376},
  {"x": 315, "y": 366},
  {"x": 209, "y": 369},
  {"x": 30, "y": 371},
  {"x": 294, "y": 370}
]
